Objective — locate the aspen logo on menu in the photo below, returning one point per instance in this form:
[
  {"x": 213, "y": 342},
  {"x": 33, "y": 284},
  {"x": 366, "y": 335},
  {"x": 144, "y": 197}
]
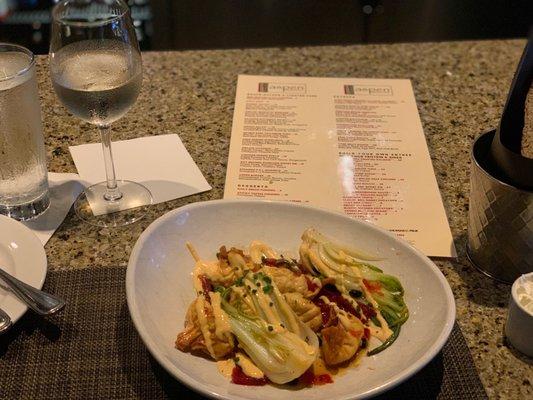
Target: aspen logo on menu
[
  {"x": 367, "y": 90},
  {"x": 293, "y": 88}
]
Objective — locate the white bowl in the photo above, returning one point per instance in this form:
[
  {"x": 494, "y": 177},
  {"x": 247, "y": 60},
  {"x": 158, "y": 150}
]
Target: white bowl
[{"x": 159, "y": 290}]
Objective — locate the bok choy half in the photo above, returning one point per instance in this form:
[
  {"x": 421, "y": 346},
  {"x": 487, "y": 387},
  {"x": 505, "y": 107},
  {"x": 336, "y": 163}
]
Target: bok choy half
[
  {"x": 353, "y": 274},
  {"x": 268, "y": 330}
]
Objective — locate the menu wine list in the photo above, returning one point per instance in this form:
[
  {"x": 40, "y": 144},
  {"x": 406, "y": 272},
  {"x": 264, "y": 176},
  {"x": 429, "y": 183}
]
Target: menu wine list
[{"x": 350, "y": 145}]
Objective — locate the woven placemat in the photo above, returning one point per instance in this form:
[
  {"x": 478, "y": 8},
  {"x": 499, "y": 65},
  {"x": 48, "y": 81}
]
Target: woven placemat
[{"x": 92, "y": 351}]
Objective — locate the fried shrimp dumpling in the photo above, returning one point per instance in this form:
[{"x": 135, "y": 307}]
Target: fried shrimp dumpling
[
  {"x": 338, "y": 345},
  {"x": 218, "y": 273},
  {"x": 288, "y": 281},
  {"x": 191, "y": 339},
  {"x": 200, "y": 333},
  {"x": 258, "y": 250},
  {"x": 230, "y": 265},
  {"x": 341, "y": 341},
  {"x": 305, "y": 309}
]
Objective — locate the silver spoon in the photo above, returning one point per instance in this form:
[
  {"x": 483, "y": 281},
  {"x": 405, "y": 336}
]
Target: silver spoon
[
  {"x": 5, "y": 321},
  {"x": 41, "y": 302}
]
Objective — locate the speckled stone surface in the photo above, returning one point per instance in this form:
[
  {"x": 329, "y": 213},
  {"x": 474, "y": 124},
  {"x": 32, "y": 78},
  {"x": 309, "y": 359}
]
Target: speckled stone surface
[{"x": 460, "y": 89}]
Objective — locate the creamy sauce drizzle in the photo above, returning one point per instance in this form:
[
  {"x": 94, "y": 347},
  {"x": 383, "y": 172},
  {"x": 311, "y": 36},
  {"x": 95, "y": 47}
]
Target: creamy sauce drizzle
[
  {"x": 225, "y": 367},
  {"x": 222, "y": 325},
  {"x": 204, "y": 326},
  {"x": 259, "y": 249},
  {"x": 248, "y": 367},
  {"x": 524, "y": 292},
  {"x": 383, "y": 332},
  {"x": 290, "y": 317},
  {"x": 209, "y": 268},
  {"x": 279, "y": 312}
]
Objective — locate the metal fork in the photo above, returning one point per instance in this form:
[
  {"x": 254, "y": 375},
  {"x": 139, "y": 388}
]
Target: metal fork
[
  {"x": 41, "y": 302},
  {"x": 5, "y": 321}
]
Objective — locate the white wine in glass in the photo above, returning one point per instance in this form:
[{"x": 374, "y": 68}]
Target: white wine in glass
[
  {"x": 93, "y": 79},
  {"x": 96, "y": 71}
]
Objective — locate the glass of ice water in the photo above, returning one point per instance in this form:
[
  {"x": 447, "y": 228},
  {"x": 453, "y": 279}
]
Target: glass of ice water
[
  {"x": 96, "y": 70},
  {"x": 23, "y": 175}
]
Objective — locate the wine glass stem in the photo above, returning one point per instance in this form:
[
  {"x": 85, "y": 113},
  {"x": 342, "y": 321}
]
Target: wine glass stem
[{"x": 112, "y": 192}]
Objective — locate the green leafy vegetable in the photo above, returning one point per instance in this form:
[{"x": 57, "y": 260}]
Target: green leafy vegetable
[
  {"x": 386, "y": 343},
  {"x": 345, "y": 265},
  {"x": 271, "y": 334},
  {"x": 282, "y": 355}
]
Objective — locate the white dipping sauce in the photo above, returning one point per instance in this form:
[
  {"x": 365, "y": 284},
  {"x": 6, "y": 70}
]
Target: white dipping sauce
[{"x": 524, "y": 292}]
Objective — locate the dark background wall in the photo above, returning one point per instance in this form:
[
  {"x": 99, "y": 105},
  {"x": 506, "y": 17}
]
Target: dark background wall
[
  {"x": 257, "y": 23},
  {"x": 208, "y": 24}
]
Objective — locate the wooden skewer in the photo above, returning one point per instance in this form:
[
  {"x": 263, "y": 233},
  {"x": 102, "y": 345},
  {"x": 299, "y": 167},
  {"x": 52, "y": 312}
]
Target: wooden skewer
[{"x": 193, "y": 252}]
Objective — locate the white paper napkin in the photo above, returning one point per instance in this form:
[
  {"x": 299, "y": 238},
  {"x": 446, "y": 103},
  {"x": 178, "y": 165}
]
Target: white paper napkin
[
  {"x": 64, "y": 189},
  {"x": 161, "y": 163}
]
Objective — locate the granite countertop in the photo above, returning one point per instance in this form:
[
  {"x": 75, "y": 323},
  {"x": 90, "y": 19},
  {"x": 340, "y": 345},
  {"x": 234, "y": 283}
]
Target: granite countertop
[{"x": 460, "y": 89}]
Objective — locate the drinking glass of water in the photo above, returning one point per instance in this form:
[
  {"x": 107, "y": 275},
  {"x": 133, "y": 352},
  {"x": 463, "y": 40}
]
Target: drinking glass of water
[
  {"x": 23, "y": 176},
  {"x": 96, "y": 70}
]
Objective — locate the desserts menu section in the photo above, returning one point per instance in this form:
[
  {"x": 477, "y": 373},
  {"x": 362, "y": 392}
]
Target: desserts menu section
[{"x": 349, "y": 145}]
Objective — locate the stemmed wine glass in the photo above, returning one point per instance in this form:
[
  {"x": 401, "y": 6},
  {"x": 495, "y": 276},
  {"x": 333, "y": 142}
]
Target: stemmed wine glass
[{"x": 96, "y": 70}]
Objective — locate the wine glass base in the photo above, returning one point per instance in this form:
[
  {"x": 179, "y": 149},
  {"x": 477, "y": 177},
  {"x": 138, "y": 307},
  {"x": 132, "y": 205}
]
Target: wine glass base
[{"x": 93, "y": 208}]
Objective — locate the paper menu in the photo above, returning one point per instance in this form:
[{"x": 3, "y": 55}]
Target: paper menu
[{"x": 349, "y": 145}]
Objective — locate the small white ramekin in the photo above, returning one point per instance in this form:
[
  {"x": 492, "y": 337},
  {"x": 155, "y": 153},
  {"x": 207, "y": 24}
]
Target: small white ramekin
[{"x": 519, "y": 326}]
